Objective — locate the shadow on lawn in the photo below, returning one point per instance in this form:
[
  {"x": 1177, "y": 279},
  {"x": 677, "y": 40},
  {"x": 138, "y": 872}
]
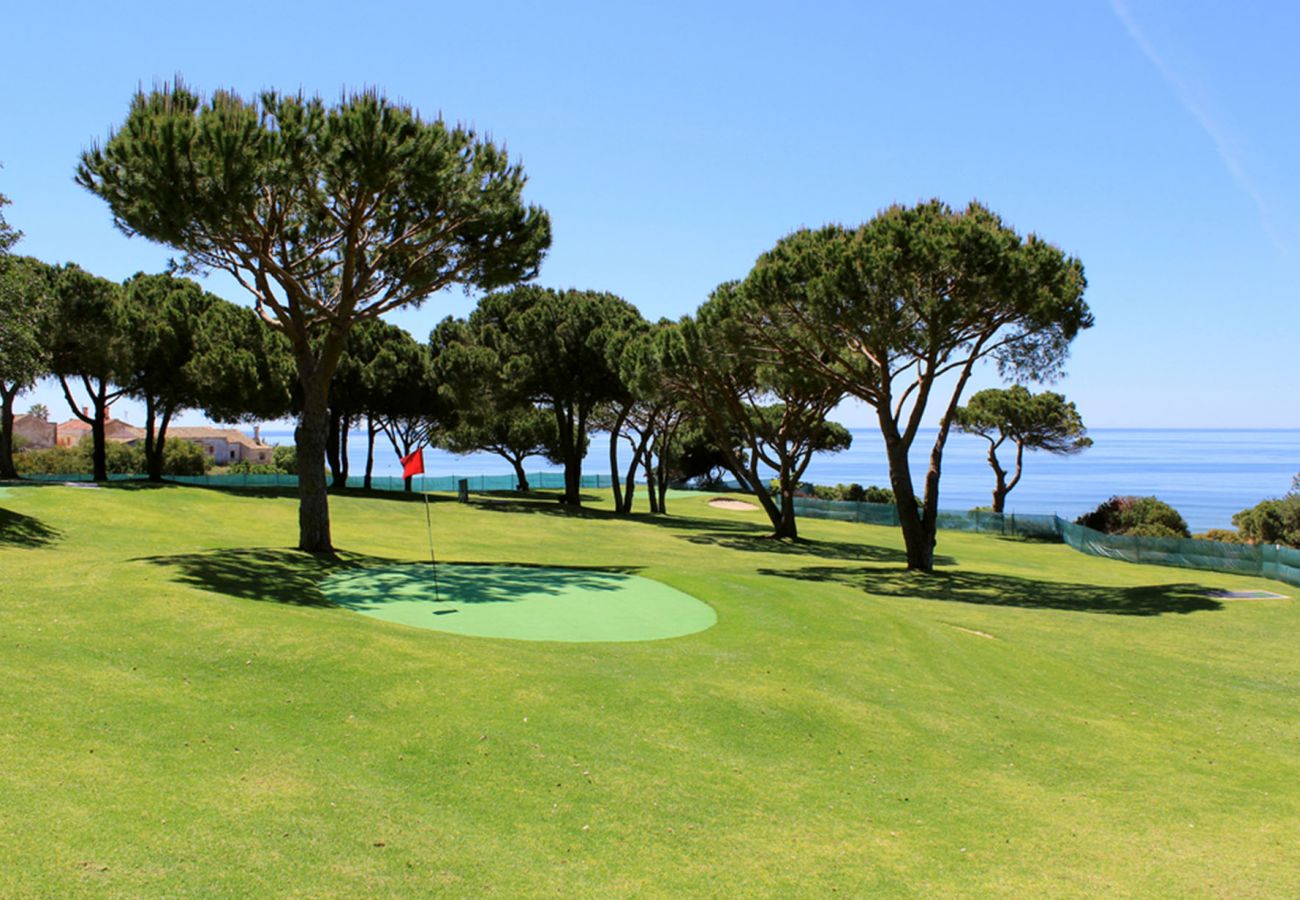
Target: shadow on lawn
[
  {"x": 263, "y": 573},
  {"x": 291, "y": 493},
  {"x": 759, "y": 540},
  {"x": 478, "y": 582},
  {"x": 1005, "y": 590},
  {"x": 18, "y": 530}
]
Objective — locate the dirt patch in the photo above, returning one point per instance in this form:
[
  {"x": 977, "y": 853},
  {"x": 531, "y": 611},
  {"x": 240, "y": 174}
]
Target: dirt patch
[{"x": 726, "y": 503}]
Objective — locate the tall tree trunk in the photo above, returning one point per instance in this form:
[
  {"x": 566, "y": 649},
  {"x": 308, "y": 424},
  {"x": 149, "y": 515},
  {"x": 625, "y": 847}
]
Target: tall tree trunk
[
  {"x": 573, "y": 477},
  {"x": 155, "y": 436},
  {"x": 661, "y": 480},
  {"x": 311, "y": 438},
  {"x": 638, "y": 460},
  {"x": 746, "y": 472},
  {"x": 649, "y": 481},
  {"x": 521, "y": 477},
  {"x": 344, "y": 465},
  {"x": 920, "y": 551},
  {"x": 332, "y": 449},
  {"x": 665, "y": 442},
  {"x": 573, "y": 439},
  {"x": 999, "y": 478},
  {"x": 370, "y": 451},
  {"x": 7, "y": 397},
  {"x": 1004, "y": 487},
  {"x": 98, "y": 435},
  {"x": 152, "y": 449},
  {"x": 789, "y": 527},
  {"x": 614, "y": 474}
]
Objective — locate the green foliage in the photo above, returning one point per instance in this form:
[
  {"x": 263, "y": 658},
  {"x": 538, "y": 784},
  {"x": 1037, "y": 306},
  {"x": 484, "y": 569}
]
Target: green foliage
[
  {"x": 242, "y": 369},
  {"x": 25, "y": 298},
  {"x": 244, "y": 467},
  {"x": 1140, "y": 516},
  {"x": 285, "y": 458},
  {"x": 163, "y": 314},
  {"x": 852, "y": 492},
  {"x": 536, "y": 346},
  {"x": 1222, "y": 535},
  {"x": 514, "y": 433},
  {"x": 1271, "y": 521},
  {"x": 758, "y": 414},
  {"x": 695, "y": 456},
  {"x": 55, "y": 460},
  {"x": 89, "y": 329},
  {"x": 885, "y": 309},
  {"x": 8, "y": 234},
  {"x": 327, "y": 214},
  {"x": 426, "y": 204},
  {"x": 179, "y": 458},
  {"x": 1045, "y": 421}
]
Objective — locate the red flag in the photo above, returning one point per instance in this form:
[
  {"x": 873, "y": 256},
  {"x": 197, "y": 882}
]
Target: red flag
[{"x": 413, "y": 464}]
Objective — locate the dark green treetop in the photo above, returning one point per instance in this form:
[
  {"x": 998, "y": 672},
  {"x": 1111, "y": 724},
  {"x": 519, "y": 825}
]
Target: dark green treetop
[
  {"x": 1044, "y": 421},
  {"x": 326, "y": 214},
  {"x": 888, "y": 308},
  {"x": 553, "y": 348}
]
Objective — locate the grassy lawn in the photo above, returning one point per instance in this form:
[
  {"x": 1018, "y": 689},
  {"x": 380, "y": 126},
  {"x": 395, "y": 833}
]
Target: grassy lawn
[{"x": 181, "y": 713}]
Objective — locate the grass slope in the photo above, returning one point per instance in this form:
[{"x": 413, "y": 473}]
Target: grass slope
[{"x": 182, "y": 714}]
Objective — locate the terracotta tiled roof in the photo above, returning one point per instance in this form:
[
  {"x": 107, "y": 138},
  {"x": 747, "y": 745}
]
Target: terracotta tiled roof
[{"x": 198, "y": 433}]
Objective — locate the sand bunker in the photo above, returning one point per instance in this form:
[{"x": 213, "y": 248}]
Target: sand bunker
[{"x": 724, "y": 503}]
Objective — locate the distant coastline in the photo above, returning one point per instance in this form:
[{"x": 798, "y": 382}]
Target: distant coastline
[{"x": 1206, "y": 473}]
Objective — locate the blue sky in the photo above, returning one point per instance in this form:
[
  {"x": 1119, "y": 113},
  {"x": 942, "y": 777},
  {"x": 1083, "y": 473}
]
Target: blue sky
[{"x": 673, "y": 143}]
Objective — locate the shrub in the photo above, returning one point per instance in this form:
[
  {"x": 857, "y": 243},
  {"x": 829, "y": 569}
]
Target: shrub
[
  {"x": 54, "y": 461},
  {"x": 852, "y": 492},
  {"x": 1222, "y": 535},
  {"x": 1126, "y": 515},
  {"x": 1152, "y": 529},
  {"x": 179, "y": 458},
  {"x": 1271, "y": 521},
  {"x": 285, "y": 459},
  {"x": 244, "y": 467},
  {"x": 182, "y": 458}
]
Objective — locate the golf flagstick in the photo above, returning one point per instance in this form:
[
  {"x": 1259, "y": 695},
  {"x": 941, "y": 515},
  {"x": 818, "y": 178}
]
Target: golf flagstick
[{"x": 428, "y": 521}]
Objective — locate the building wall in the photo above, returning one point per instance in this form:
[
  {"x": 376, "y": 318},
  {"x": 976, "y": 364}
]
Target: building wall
[{"x": 36, "y": 434}]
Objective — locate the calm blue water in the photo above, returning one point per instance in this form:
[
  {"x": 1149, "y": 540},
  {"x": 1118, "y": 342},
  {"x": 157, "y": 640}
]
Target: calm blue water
[{"x": 1206, "y": 474}]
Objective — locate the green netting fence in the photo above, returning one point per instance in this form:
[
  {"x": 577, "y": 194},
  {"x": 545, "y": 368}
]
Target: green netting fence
[
  {"x": 446, "y": 483},
  {"x": 1043, "y": 527},
  {"x": 1262, "y": 560}
]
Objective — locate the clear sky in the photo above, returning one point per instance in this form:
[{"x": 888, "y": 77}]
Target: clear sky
[{"x": 674, "y": 142}]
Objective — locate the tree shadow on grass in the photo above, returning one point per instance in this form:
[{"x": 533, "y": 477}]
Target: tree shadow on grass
[
  {"x": 264, "y": 573},
  {"x": 18, "y": 530},
  {"x": 761, "y": 541},
  {"x": 475, "y": 583},
  {"x": 291, "y": 493},
  {"x": 1005, "y": 590}
]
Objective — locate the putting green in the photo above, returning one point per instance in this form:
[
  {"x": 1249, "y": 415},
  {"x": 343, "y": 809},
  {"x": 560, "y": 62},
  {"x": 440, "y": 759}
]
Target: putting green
[{"x": 528, "y": 603}]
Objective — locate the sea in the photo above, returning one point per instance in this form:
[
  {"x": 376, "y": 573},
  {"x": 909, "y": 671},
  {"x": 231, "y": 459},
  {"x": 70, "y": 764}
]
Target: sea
[{"x": 1206, "y": 474}]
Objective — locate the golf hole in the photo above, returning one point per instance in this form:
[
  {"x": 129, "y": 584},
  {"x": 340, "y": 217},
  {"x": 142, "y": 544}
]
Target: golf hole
[{"x": 528, "y": 603}]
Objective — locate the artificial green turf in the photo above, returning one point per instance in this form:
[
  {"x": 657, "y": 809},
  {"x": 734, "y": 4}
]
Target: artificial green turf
[
  {"x": 182, "y": 713},
  {"x": 528, "y": 603}
]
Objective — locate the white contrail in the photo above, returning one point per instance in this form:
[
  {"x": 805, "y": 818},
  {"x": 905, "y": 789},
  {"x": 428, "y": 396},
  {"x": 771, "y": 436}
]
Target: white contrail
[{"x": 1188, "y": 99}]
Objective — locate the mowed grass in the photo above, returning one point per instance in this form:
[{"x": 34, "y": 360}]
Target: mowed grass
[{"x": 183, "y": 714}]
